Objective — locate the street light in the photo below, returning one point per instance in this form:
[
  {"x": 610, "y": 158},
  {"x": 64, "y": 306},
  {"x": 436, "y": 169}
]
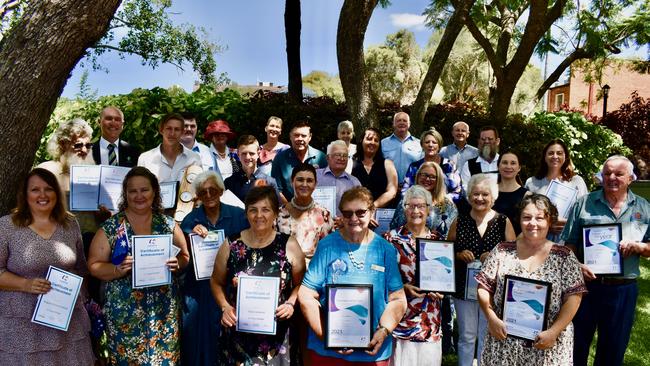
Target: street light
[{"x": 605, "y": 90}]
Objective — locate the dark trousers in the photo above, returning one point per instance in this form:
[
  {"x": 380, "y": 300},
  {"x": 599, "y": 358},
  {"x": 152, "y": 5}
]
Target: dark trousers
[
  {"x": 446, "y": 323},
  {"x": 610, "y": 310}
]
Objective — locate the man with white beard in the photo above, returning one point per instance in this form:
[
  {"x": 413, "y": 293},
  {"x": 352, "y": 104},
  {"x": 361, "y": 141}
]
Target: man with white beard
[{"x": 488, "y": 156}]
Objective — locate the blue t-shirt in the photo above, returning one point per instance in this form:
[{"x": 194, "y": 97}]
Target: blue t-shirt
[{"x": 331, "y": 265}]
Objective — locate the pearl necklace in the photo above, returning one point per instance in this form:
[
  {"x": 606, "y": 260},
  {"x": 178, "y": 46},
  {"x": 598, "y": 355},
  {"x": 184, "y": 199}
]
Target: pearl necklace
[
  {"x": 358, "y": 264},
  {"x": 302, "y": 208}
]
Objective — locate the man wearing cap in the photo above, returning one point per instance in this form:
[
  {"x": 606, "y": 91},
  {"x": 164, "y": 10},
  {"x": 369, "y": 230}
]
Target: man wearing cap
[
  {"x": 300, "y": 152},
  {"x": 225, "y": 160},
  {"x": 188, "y": 139},
  {"x": 110, "y": 149}
]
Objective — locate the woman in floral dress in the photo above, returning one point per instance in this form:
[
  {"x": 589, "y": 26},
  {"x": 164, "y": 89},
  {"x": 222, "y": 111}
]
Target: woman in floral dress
[
  {"x": 532, "y": 256},
  {"x": 142, "y": 324},
  {"x": 260, "y": 251}
]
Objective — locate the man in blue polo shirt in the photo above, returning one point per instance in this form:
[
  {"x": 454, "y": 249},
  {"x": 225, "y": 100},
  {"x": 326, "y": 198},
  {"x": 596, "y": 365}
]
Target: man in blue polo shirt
[
  {"x": 611, "y": 301},
  {"x": 401, "y": 147},
  {"x": 300, "y": 152}
]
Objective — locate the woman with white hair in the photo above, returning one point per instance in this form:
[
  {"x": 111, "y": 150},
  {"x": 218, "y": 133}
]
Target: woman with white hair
[
  {"x": 474, "y": 235},
  {"x": 345, "y": 132},
  {"x": 200, "y": 312},
  {"x": 419, "y": 332}
]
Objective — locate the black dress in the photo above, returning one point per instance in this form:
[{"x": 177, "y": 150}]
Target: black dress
[
  {"x": 376, "y": 181},
  {"x": 507, "y": 203}
]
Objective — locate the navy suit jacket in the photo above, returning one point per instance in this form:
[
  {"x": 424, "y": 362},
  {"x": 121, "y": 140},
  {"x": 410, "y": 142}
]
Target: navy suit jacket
[{"x": 128, "y": 155}]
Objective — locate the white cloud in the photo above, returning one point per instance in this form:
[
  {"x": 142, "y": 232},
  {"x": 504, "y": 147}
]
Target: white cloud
[{"x": 406, "y": 20}]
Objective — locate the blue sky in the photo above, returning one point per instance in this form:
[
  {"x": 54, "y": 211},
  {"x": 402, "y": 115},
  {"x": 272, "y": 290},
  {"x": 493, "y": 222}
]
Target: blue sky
[{"x": 253, "y": 32}]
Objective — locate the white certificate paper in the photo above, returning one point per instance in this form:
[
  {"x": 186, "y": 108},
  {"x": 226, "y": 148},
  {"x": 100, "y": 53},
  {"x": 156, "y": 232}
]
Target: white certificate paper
[
  {"x": 257, "y": 299},
  {"x": 563, "y": 197},
  {"x": 384, "y": 217},
  {"x": 150, "y": 254},
  {"x": 601, "y": 248},
  {"x": 435, "y": 266},
  {"x": 110, "y": 181},
  {"x": 525, "y": 307},
  {"x": 349, "y": 316},
  {"x": 326, "y": 197},
  {"x": 168, "y": 194},
  {"x": 84, "y": 187},
  {"x": 471, "y": 285},
  {"x": 204, "y": 251},
  {"x": 54, "y": 309}
]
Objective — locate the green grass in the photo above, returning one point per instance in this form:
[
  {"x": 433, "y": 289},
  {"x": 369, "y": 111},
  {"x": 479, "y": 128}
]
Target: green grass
[{"x": 638, "y": 350}]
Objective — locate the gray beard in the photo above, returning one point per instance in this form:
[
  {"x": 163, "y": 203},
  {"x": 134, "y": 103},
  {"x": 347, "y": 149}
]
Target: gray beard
[
  {"x": 487, "y": 153},
  {"x": 71, "y": 158}
]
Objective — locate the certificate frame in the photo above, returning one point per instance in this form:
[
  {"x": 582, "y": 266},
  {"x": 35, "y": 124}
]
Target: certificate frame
[
  {"x": 383, "y": 216},
  {"x": 136, "y": 241},
  {"x": 365, "y": 302},
  {"x": 444, "y": 280},
  {"x": 471, "y": 272},
  {"x": 173, "y": 186},
  {"x": 194, "y": 244},
  {"x": 40, "y": 301},
  {"x": 612, "y": 269},
  {"x": 272, "y": 283},
  {"x": 542, "y": 290}
]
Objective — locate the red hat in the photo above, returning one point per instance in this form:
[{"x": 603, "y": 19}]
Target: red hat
[{"x": 219, "y": 126}]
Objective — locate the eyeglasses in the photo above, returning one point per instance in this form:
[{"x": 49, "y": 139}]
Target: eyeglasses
[
  {"x": 339, "y": 156},
  {"x": 80, "y": 145},
  {"x": 212, "y": 191},
  {"x": 359, "y": 213},
  {"x": 426, "y": 176},
  {"x": 419, "y": 206}
]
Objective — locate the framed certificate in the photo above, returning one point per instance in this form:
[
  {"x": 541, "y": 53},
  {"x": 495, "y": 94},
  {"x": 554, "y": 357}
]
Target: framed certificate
[
  {"x": 434, "y": 266},
  {"x": 84, "y": 187},
  {"x": 471, "y": 285},
  {"x": 384, "y": 217},
  {"x": 348, "y": 317},
  {"x": 600, "y": 248},
  {"x": 525, "y": 306},
  {"x": 54, "y": 309},
  {"x": 204, "y": 251},
  {"x": 562, "y": 195},
  {"x": 326, "y": 197},
  {"x": 257, "y": 299},
  {"x": 150, "y": 255},
  {"x": 169, "y": 194}
]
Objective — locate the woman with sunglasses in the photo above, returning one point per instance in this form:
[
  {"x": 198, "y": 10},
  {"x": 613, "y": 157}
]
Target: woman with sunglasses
[
  {"x": 200, "y": 313},
  {"x": 354, "y": 255}
]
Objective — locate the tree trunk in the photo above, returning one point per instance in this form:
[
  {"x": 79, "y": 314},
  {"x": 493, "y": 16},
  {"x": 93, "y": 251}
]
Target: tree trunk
[
  {"x": 437, "y": 64},
  {"x": 500, "y": 98},
  {"x": 353, "y": 21},
  {"x": 36, "y": 59},
  {"x": 292, "y": 28}
]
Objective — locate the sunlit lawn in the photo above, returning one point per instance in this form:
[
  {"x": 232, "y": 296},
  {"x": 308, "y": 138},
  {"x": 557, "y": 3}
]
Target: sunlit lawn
[{"x": 638, "y": 351}]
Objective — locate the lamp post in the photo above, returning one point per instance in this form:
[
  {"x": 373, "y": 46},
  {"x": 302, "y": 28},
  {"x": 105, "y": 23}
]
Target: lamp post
[{"x": 605, "y": 95}]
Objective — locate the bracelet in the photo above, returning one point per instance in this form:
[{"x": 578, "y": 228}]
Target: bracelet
[
  {"x": 290, "y": 303},
  {"x": 381, "y": 327}
]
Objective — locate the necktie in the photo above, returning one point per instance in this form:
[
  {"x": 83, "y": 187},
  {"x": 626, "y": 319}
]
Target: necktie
[
  {"x": 112, "y": 156},
  {"x": 195, "y": 148}
]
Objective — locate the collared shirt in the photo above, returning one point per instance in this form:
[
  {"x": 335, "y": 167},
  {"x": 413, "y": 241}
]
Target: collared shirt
[
  {"x": 224, "y": 165},
  {"x": 486, "y": 167},
  {"x": 240, "y": 184},
  {"x": 264, "y": 163},
  {"x": 402, "y": 153},
  {"x": 459, "y": 155},
  {"x": 204, "y": 152},
  {"x": 286, "y": 160},
  {"x": 343, "y": 182},
  {"x": 593, "y": 209},
  {"x": 103, "y": 150},
  {"x": 160, "y": 167}
]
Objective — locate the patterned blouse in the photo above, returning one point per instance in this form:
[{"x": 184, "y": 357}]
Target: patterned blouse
[
  {"x": 562, "y": 270},
  {"x": 314, "y": 226},
  {"x": 421, "y": 323}
]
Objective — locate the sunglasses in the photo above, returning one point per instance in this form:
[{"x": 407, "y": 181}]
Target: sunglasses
[
  {"x": 80, "y": 145},
  {"x": 359, "y": 213},
  {"x": 204, "y": 192}
]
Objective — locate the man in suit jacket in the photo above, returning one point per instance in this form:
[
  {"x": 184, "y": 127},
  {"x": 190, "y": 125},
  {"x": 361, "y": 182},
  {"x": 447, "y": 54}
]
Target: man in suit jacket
[{"x": 111, "y": 123}]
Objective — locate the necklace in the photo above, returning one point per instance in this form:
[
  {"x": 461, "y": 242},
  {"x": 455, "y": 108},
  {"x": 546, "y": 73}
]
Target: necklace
[
  {"x": 358, "y": 264},
  {"x": 309, "y": 206}
]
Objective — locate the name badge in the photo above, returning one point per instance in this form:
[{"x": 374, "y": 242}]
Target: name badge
[{"x": 377, "y": 268}]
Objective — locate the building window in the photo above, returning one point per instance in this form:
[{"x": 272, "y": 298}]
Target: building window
[{"x": 559, "y": 101}]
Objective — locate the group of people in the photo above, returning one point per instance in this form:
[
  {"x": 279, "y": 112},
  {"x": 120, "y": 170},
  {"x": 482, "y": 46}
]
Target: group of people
[{"x": 465, "y": 195}]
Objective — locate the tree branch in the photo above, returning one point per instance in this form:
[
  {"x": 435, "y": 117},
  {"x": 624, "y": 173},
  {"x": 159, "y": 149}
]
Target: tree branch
[
  {"x": 486, "y": 45},
  {"x": 141, "y": 54}
]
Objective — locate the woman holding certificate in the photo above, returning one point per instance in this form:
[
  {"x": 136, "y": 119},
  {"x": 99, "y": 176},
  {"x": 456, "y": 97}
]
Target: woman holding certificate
[
  {"x": 555, "y": 165},
  {"x": 418, "y": 335},
  {"x": 274, "y": 261},
  {"x": 533, "y": 327},
  {"x": 354, "y": 284},
  {"x": 142, "y": 322},
  {"x": 200, "y": 313},
  {"x": 40, "y": 233},
  {"x": 302, "y": 218},
  {"x": 475, "y": 234}
]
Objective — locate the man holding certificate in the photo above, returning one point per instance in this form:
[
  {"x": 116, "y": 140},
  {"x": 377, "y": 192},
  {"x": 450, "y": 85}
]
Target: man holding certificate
[
  {"x": 133, "y": 253},
  {"x": 614, "y": 204}
]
